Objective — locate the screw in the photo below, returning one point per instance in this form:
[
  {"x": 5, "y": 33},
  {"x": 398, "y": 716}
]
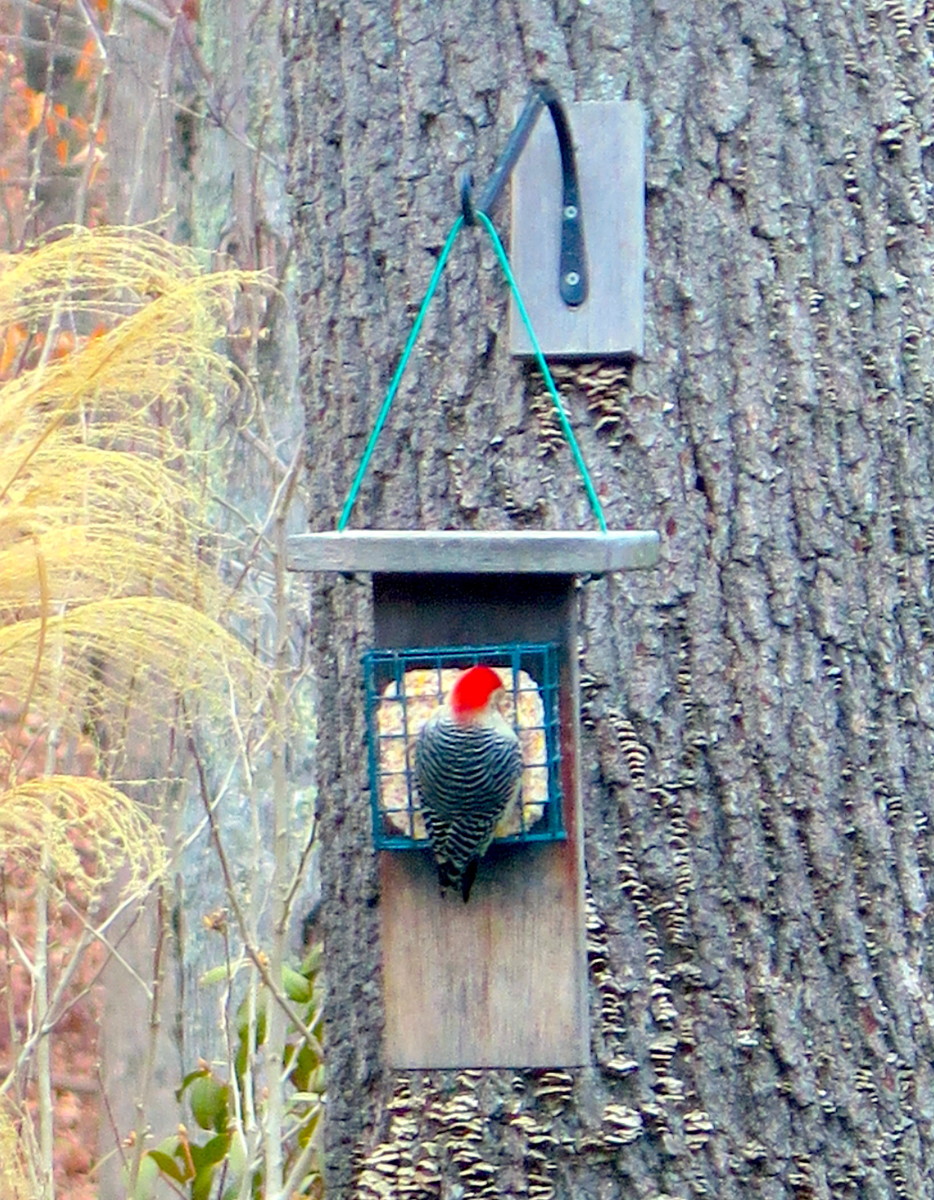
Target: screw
[
  {"x": 572, "y": 279},
  {"x": 570, "y": 212}
]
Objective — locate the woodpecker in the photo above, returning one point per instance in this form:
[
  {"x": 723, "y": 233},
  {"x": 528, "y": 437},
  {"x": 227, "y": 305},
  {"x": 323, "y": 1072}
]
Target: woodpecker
[{"x": 468, "y": 770}]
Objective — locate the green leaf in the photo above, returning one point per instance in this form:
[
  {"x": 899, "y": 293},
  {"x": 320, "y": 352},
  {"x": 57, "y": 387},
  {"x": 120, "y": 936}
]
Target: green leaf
[
  {"x": 146, "y": 1178},
  {"x": 218, "y": 974},
  {"x": 168, "y": 1166},
  {"x": 312, "y": 961},
  {"x": 243, "y": 1017},
  {"x": 296, "y": 986},
  {"x": 305, "y": 1062},
  {"x": 237, "y": 1158},
  {"x": 209, "y": 1100},
  {"x": 201, "y": 1186},
  {"x": 215, "y": 1150},
  {"x": 189, "y": 1078}
]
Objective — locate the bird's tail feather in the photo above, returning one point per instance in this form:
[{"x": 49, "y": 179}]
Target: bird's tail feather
[{"x": 451, "y": 876}]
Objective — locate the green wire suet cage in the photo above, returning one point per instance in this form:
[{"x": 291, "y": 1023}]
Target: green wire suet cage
[{"x": 405, "y": 686}]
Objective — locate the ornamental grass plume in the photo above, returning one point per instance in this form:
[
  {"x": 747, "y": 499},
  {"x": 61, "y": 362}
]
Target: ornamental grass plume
[
  {"x": 15, "y": 1181},
  {"x": 106, "y": 593},
  {"x": 110, "y": 606}
]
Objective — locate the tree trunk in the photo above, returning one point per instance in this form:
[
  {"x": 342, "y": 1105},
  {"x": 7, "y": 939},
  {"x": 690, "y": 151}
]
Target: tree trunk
[{"x": 757, "y": 711}]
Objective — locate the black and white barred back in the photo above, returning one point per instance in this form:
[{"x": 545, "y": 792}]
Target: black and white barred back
[{"x": 467, "y": 777}]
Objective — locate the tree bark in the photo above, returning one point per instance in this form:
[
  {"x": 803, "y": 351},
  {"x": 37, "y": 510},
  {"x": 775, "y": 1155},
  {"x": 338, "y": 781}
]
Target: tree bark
[{"x": 757, "y": 711}]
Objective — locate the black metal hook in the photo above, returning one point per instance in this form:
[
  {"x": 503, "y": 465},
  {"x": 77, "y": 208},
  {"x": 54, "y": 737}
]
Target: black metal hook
[
  {"x": 468, "y": 211},
  {"x": 572, "y": 266}
]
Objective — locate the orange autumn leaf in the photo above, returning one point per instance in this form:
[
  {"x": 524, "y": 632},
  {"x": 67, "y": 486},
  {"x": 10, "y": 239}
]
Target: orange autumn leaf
[
  {"x": 9, "y": 347},
  {"x": 35, "y": 107},
  {"x": 85, "y": 64},
  {"x": 64, "y": 344},
  {"x": 61, "y": 151},
  {"x": 61, "y": 111}
]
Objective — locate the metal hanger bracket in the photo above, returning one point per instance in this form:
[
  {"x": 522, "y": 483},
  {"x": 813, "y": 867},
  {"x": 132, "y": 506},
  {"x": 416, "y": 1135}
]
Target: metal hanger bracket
[
  {"x": 572, "y": 261},
  {"x": 596, "y": 174}
]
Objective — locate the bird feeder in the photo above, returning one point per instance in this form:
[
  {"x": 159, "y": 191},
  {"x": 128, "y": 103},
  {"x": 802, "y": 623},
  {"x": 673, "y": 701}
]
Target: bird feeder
[
  {"x": 501, "y": 980},
  {"x": 405, "y": 686}
]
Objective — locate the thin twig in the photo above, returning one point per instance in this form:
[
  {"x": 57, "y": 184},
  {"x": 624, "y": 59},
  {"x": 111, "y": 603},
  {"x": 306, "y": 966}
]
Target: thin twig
[
  {"x": 118, "y": 1139},
  {"x": 96, "y": 933},
  {"x": 96, "y": 120},
  {"x": 252, "y": 951},
  {"x": 149, "y": 1062},
  {"x": 279, "y": 503},
  {"x": 148, "y": 13}
]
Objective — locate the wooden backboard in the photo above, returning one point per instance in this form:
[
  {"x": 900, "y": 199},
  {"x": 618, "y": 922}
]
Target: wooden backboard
[
  {"x": 501, "y": 980},
  {"x": 609, "y": 140}
]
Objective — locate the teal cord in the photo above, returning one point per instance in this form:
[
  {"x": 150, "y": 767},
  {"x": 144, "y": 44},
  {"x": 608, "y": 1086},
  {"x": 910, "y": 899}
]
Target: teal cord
[
  {"x": 407, "y": 353},
  {"x": 397, "y": 378},
  {"x": 543, "y": 367}
]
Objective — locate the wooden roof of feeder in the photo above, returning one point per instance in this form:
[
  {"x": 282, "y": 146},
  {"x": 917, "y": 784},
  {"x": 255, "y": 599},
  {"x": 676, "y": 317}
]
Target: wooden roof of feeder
[{"x": 471, "y": 552}]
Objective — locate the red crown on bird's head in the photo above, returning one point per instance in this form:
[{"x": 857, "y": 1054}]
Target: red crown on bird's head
[{"x": 472, "y": 691}]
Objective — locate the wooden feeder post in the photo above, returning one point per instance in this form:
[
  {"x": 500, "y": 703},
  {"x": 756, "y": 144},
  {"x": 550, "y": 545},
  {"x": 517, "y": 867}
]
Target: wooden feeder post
[{"x": 502, "y": 980}]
